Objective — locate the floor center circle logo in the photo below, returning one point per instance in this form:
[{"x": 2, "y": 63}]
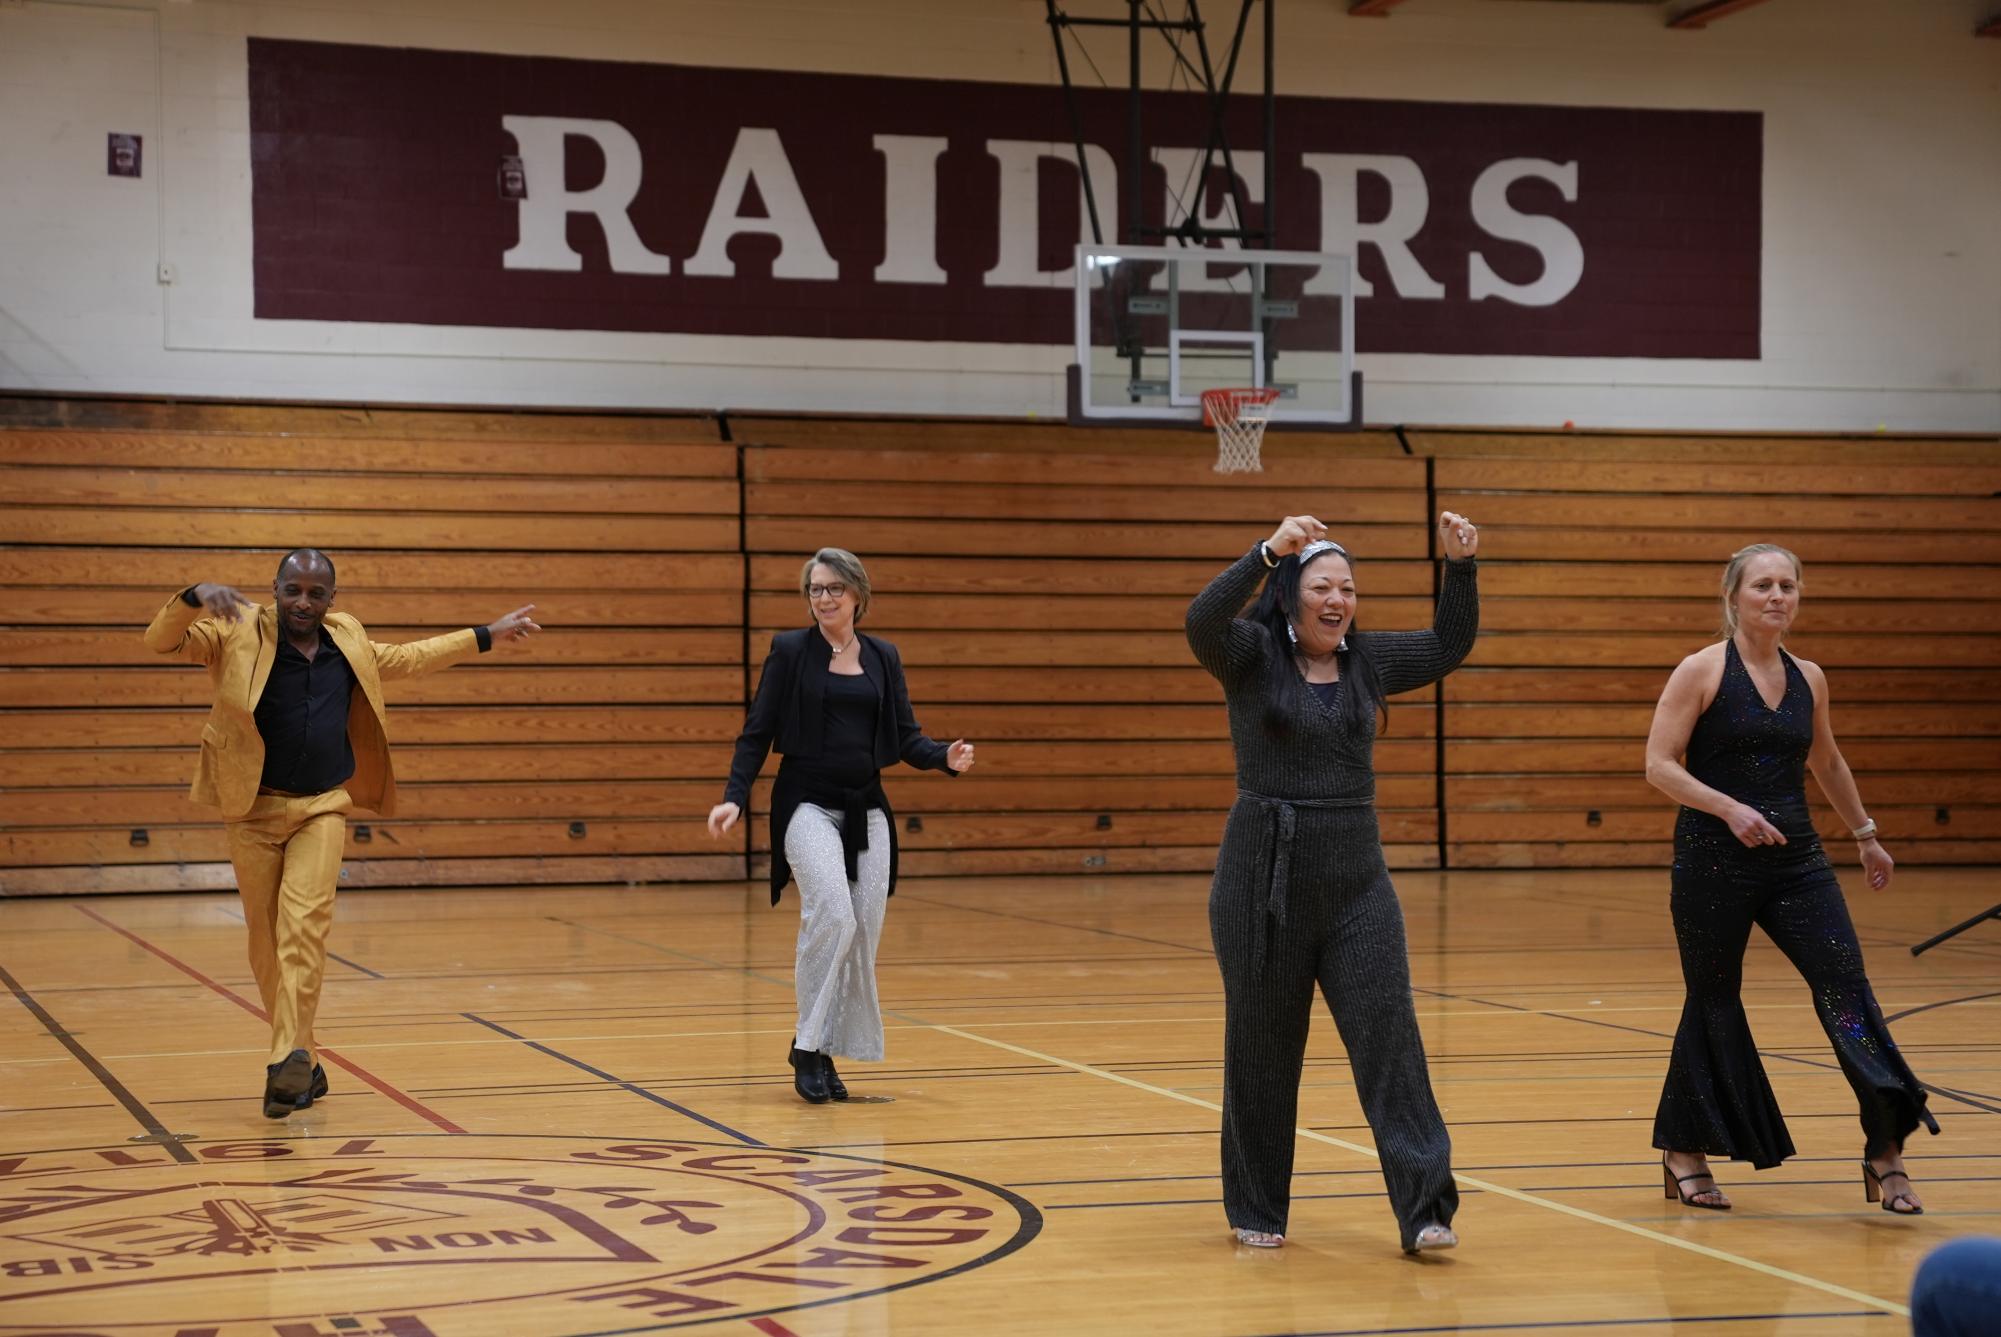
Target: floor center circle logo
[{"x": 447, "y": 1236}]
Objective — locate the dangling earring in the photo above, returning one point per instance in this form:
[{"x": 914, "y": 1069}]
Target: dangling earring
[{"x": 1290, "y": 633}]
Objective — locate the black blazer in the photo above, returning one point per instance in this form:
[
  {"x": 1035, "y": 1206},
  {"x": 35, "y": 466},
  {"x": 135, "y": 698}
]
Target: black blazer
[{"x": 789, "y": 713}]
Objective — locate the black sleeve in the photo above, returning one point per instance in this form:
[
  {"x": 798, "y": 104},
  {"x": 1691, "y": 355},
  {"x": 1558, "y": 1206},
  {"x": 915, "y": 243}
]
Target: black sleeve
[
  {"x": 1412, "y": 659},
  {"x": 926, "y": 754},
  {"x": 1223, "y": 643},
  {"x": 760, "y": 726}
]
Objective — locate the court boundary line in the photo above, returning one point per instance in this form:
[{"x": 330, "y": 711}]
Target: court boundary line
[
  {"x": 617, "y": 1083},
  {"x": 1484, "y": 1186},
  {"x": 353, "y": 1069},
  {"x": 142, "y": 1115}
]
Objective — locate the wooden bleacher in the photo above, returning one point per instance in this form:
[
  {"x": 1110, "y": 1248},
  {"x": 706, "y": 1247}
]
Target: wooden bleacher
[
  {"x": 1034, "y": 576},
  {"x": 622, "y": 531},
  {"x": 1607, "y": 551},
  {"x": 1035, "y": 580}
]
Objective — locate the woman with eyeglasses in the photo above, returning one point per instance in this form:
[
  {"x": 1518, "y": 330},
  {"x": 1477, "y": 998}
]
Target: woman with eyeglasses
[
  {"x": 1301, "y": 894},
  {"x": 834, "y": 704}
]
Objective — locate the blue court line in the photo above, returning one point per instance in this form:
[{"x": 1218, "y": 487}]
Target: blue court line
[
  {"x": 619, "y": 1082},
  {"x": 1680, "y": 1320},
  {"x": 351, "y": 965}
]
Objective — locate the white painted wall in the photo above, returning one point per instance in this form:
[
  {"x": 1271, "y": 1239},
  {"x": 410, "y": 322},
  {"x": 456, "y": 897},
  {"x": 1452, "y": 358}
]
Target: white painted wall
[{"x": 1882, "y": 270}]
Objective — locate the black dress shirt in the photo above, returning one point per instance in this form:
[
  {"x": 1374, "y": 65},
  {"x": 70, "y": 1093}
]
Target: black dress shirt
[{"x": 302, "y": 717}]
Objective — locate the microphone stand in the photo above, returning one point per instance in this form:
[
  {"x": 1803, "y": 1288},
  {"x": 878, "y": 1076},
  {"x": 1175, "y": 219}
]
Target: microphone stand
[{"x": 1992, "y": 912}]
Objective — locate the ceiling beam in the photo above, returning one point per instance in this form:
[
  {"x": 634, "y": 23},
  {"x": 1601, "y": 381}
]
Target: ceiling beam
[
  {"x": 1370, "y": 9},
  {"x": 1709, "y": 11}
]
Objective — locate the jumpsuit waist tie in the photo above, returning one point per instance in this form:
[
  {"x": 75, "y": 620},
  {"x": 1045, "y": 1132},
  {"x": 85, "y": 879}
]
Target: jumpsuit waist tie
[{"x": 1272, "y": 875}]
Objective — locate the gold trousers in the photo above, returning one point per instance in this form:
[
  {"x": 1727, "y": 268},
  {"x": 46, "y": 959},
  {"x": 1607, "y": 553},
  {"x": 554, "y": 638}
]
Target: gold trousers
[{"x": 287, "y": 852}]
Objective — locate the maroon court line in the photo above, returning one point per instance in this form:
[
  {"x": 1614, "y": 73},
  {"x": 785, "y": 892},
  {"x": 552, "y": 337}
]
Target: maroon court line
[
  {"x": 771, "y": 1327},
  {"x": 406, "y": 1101}
]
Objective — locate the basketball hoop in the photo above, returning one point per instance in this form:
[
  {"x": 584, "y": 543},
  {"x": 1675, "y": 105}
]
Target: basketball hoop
[{"x": 1239, "y": 417}]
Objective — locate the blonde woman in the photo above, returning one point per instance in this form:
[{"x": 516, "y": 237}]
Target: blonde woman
[
  {"x": 1736, "y": 729},
  {"x": 834, "y": 704}
]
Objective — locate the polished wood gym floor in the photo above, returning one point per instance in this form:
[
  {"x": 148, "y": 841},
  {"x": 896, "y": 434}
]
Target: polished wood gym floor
[{"x": 566, "y": 1111}]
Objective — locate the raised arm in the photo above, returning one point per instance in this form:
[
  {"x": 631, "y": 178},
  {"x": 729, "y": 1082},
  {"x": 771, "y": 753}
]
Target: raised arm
[
  {"x": 1836, "y": 781},
  {"x": 191, "y": 625},
  {"x": 1409, "y": 659},
  {"x": 412, "y": 658},
  {"x": 1688, "y": 692},
  {"x": 1223, "y": 643}
]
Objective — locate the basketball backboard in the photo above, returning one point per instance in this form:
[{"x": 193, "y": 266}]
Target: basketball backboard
[{"x": 1158, "y": 325}]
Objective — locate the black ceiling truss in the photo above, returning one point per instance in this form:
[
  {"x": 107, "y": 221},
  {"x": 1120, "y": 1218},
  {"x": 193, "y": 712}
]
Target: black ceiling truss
[{"x": 1200, "y": 74}]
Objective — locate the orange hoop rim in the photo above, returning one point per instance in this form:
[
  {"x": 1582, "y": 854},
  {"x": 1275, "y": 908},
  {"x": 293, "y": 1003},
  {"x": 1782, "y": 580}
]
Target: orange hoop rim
[{"x": 1221, "y": 405}]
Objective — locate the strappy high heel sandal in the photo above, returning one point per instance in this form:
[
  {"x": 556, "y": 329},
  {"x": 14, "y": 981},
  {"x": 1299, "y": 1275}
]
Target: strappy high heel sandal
[
  {"x": 1873, "y": 1191},
  {"x": 1259, "y": 1239},
  {"x": 1671, "y": 1185}
]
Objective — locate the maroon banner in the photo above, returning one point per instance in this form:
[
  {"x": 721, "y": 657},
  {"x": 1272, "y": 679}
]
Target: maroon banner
[{"x": 455, "y": 188}]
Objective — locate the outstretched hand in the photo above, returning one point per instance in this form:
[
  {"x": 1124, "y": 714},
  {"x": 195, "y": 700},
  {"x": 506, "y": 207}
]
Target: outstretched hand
[
  {"x": 1293, "y": 533},
  {"x": 1460, "y": 536},
  {"x": 959, "y": 756},
  {"x": 513, "y": 627},
  {"x": 222, "y": 601}
]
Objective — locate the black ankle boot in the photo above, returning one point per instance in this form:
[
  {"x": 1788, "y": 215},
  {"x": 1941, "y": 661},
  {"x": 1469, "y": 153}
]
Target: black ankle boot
[
  {"x": 835, "y": 1086},
  {"x": 809, "y": 1078}
]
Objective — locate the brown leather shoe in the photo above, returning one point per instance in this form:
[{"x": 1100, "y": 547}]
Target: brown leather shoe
[{"x": 288, "y": 1086}]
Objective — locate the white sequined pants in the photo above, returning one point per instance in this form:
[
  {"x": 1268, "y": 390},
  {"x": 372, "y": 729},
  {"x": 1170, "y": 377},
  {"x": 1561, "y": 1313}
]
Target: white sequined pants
[{"x": 840, "y": 924}]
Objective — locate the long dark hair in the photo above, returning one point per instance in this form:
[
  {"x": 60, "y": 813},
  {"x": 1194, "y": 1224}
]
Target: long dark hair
[{"x": 1363, "y": 704}]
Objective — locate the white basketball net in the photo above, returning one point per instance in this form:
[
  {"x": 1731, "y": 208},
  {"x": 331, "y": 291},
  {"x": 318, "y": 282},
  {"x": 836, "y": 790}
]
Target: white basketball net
[{"x": 1239, "y": 417}]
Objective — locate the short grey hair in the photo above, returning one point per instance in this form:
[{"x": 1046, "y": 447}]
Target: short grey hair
[
  {"x": 845, "y": 565},
  {"x": 1733, "y": 577}
]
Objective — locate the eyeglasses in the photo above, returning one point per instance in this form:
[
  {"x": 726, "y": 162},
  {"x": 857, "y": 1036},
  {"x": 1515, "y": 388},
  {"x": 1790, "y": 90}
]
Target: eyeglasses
[{"x": 828, "y": 591}]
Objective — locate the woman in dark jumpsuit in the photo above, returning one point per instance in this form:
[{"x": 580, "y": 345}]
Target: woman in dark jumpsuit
[
  {"x": 1750, "y": 718},
  {"x": 1301, "y": 893}
]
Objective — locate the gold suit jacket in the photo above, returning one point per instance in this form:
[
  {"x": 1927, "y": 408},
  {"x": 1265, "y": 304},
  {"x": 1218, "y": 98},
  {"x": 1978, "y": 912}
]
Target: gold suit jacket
[{"x": 238, "y": 657}]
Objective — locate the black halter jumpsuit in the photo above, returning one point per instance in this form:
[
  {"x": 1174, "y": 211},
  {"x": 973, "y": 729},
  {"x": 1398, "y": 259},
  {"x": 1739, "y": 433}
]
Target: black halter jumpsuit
[{"x": 1716, "y": 1099}]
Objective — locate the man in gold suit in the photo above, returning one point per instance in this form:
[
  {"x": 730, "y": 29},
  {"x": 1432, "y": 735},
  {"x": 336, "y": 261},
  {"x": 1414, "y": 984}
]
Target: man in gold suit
[{"x": 289, "y": 747}]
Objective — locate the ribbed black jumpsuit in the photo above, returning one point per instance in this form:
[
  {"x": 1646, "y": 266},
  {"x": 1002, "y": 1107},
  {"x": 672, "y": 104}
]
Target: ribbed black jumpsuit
[{"x": 1301, "y": 895}]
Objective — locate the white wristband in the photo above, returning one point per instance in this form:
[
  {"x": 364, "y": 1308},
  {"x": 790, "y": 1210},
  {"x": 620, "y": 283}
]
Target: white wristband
[{"x": 1866, "y": 831}]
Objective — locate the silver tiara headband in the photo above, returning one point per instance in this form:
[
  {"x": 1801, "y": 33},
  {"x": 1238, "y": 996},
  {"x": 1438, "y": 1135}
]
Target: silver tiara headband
[{"x": 1318, "y": 546}]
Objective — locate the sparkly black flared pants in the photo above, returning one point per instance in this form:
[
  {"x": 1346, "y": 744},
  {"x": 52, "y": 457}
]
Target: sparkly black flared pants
[
  {"x": 1717, "y": 1100},
  {"x": 1343, "y": 929}
]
